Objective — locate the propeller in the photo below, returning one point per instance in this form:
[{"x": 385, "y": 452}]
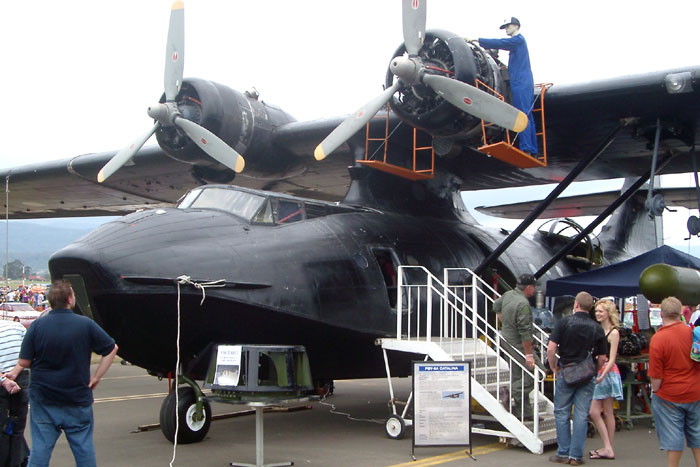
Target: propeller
[
  {"x": 411, "y": 71},
  {"x": 351, "y": 125},
  {"x": 168, "y": 114},
  {"x": 413, "y": 15}
]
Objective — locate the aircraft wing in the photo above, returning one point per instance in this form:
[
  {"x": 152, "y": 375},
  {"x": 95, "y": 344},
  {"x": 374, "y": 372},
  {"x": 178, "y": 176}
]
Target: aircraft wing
[
  {"x": 577, "y": 120},
  {"x": 69, "y": 187},
  {"x": 588, "y": 204}
]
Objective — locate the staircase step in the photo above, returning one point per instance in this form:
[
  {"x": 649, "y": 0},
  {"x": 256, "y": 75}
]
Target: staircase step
[
  {"x": 491, "y": 377},
  {"x": 547, "y": 423}
]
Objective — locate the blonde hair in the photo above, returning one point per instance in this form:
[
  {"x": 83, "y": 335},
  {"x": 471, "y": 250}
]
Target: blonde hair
[
  {"x": 671, "y": 307},
  {"x": 611, "y": 308}
]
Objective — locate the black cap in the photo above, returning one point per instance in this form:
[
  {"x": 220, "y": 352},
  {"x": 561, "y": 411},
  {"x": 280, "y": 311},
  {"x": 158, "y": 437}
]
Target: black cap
[
  {"x": 527, "y": 279},
  {"x": 513, "y": 20}
]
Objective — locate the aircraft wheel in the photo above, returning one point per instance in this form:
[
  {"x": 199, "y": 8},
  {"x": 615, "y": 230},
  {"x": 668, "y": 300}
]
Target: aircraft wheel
[
  {"x": 190, "y": 430},
  {"x": 395, "y": 427}
]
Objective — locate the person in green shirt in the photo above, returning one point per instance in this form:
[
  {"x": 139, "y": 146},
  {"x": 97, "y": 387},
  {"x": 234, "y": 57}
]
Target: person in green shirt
[{"x": 513, "y": 311}]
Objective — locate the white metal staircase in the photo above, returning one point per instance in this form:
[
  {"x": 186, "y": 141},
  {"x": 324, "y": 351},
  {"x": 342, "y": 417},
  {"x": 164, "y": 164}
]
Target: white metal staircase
[{"x": 464, "y": 329}]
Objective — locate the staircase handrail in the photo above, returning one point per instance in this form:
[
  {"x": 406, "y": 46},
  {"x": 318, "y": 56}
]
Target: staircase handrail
[
  {"x": 488, "y": 326},
  {"x": 481, "y": 326}
]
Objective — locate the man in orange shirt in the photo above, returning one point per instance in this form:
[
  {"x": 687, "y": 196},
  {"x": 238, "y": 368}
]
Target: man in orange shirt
[{"x": 674, "y": 382}]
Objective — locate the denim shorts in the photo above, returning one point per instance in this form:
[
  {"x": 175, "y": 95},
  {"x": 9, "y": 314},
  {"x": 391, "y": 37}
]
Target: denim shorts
[{"x": 676, "y": 421}]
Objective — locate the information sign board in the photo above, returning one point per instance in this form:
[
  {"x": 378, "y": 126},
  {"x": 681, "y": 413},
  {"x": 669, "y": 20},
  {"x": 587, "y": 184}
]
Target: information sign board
[{"x": 441, "y": 404}]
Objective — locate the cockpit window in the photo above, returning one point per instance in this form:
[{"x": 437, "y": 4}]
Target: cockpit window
[
  {"x": 186, "y": 201},
  {"x": 262, "y": 208},
  {"x": 264, "y": 215},
  {"x": 240, "y": 203},
  {"x": 288, "y": 212}
]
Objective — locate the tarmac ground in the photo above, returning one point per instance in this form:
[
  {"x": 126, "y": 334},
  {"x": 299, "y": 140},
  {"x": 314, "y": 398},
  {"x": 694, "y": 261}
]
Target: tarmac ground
[{"x": 347, "y": 429}]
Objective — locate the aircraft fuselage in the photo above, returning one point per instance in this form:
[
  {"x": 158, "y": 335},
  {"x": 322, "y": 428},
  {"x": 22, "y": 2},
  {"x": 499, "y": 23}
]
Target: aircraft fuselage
[{"x": 296, "y": 272}]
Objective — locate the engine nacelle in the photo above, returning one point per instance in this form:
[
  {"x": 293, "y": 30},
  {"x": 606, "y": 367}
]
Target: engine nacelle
[
  {"x": 239, "y": 119},
  {"x": 446, "y": 54}
]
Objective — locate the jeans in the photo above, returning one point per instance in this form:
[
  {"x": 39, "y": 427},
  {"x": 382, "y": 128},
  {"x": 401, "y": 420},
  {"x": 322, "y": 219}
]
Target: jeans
[
  {"x": 571, "y": 444},
  {"x": 47, "y": 422},
  {"x": 676, "y": 422},
  {"x": 13, "y": 418}
]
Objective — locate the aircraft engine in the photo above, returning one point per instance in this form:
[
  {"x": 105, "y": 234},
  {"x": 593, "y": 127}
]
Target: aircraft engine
[
  {"x": 239, "y": 119},
  {"x": 449, "y": 55}
]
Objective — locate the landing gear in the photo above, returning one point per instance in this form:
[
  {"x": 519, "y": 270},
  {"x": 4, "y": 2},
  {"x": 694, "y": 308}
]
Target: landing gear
[
  {"x": 193, "y": 428},
  {"x": 395, "y": 427}
]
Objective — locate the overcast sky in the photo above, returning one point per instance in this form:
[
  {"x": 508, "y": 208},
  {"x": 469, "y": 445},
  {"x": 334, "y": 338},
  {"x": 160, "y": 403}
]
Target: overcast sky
[{"x": 79, "y": 75}]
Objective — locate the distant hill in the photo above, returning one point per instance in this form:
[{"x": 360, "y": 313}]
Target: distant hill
[{"x": 34, "y": 241}]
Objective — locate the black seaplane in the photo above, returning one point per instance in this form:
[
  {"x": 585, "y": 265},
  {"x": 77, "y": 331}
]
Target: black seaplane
[{"x": 237, "y": 228}]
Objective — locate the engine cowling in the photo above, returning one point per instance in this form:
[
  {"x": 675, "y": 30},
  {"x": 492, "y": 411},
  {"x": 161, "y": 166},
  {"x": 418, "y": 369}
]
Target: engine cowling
[
  {"x": 239, "y": 119},
  {"x": 446, "y": 54}
]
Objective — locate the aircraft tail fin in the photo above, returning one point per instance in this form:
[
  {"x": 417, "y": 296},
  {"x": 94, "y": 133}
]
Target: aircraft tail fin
[{"x": 630, "y": 231}]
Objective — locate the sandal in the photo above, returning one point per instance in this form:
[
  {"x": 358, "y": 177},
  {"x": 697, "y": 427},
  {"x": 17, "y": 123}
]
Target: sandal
[{"x": 597, "y": 455}]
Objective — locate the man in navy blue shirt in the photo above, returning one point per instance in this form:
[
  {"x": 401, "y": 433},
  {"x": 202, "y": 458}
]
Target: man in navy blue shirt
[
  {"x": 58, "y": 349},
  {"x": 521, "y": 82}
]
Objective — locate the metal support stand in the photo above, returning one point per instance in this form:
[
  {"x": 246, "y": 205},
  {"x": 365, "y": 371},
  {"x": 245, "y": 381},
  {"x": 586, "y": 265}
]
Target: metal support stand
[{"x": 259, "y": 444}]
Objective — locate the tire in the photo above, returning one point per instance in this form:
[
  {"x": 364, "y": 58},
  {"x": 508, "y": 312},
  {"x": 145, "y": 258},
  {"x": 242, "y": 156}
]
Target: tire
[
  {"x": 190, "y": 431},
  {"x": 395, "y": 427}
]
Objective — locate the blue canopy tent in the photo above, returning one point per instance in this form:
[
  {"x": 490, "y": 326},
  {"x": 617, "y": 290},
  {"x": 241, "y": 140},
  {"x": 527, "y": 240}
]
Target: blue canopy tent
[{"x": 620, "y": 279}]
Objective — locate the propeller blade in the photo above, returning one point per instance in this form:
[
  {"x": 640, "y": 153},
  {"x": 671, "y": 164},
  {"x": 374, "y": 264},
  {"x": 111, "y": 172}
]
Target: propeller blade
[
  {"x": 354, "y": 122},
  {"x": 477, "y": 103},
  {"x": 124, "y": 155},
  {"x": 175, "y": 51},
  {"x": 211, "y": 144},
  {"x": 414, "y": 12}
]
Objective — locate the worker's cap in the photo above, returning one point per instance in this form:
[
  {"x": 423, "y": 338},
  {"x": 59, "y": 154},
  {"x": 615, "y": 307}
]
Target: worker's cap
[
  {"x": 513, "y": 20},
  {"x": 527, "y": 279}
]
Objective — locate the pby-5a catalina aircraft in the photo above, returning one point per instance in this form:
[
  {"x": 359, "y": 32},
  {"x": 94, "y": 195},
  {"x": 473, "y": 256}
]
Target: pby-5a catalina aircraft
[{"x": 305, "y": 223}]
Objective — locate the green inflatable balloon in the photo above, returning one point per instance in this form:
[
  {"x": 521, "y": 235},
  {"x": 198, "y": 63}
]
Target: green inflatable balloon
[{"x": 659, "y": 281}]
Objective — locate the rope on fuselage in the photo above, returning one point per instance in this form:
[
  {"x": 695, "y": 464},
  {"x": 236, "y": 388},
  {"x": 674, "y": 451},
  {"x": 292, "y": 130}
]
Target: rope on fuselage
[{"x": 185, "y": 280}]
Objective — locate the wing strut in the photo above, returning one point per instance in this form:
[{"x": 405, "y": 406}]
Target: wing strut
[
  {"x": 598, "y": 220},
  {"x": 575, "y": 172}
]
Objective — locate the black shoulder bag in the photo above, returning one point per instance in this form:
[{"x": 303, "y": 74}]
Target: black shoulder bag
[{"x": 578, "y": 374}]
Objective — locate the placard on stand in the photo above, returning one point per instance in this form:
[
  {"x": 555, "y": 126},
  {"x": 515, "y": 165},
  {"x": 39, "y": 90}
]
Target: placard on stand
[{"x": 441, "y": 405}]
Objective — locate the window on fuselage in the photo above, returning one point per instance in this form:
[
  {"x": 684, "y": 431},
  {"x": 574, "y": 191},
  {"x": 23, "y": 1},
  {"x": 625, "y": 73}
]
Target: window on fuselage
[
  {"x": 257, "y": 208},
  {"x": 187, "y": 200},
  {"x": 288, "y": 211},
  {"x": 264, "y": 215},
  {"x": 239, "y": 203}
]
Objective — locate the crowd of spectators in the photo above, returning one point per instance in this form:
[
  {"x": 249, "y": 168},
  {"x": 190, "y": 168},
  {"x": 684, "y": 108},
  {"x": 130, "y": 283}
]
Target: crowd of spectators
[{"x": 34, "y": 295}]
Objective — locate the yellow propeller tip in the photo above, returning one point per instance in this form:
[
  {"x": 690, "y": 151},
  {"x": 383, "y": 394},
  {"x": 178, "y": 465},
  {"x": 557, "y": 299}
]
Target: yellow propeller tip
[
  {"x": 319, "y": 154},
  {"x": 520, "y": 122},
  {"x": 240, "y": 164},
  {"x": 101, "y": 176},
  {"x": 178, "y": 5}
]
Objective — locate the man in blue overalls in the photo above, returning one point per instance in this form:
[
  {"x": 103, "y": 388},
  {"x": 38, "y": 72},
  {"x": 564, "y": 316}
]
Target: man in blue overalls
[{"x": 521, "y": 82}]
